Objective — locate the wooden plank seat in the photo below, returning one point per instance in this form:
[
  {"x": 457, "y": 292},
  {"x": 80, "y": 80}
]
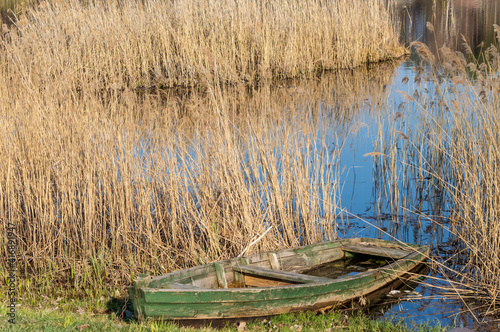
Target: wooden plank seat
[
  {"x": 281, "y": 277},
  {"x": 393, "y": 253}
]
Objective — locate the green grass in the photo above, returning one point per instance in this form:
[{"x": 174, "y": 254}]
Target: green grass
[{"x": 101, "y": 315}]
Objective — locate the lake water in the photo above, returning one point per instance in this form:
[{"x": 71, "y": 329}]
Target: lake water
[
  {"x": 453, "y": 21},
  {"x": 365, "y": 200}
]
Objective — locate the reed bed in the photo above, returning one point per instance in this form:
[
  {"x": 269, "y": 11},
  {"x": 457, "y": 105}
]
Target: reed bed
[
  {"x": 116, "y": 44},
  {"x": 106, "y": 184},
  {"x": 90, "y": 193},
  {"x": 449, "y": 156},
  {"x": 107, "y": 176}
]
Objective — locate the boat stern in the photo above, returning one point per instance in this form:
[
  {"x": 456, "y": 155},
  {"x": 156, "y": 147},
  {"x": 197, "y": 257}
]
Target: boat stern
[{"x": 136, "y": 296}]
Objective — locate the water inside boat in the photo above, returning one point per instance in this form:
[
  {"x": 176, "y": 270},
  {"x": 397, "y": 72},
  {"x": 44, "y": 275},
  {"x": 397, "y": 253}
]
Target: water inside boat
[
  {"x": 348, "y": 267},
  {"x": 333, "y": 270}
]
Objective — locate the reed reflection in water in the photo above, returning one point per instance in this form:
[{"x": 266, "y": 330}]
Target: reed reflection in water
[{"x": 451, "y": 19}]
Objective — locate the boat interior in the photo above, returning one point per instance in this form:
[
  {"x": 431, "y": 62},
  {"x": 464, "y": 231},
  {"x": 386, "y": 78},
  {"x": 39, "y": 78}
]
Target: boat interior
[{"x": 284, "y": 267}]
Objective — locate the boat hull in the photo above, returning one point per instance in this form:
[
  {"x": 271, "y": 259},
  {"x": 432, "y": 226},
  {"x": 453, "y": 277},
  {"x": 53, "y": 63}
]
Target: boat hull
[{"x": 150, "y": 299}]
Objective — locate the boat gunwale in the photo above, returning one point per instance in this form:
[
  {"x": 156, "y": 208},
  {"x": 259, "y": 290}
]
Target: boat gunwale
[
  {"x": 389, "y": 244},
  {"x": 414, "y": 256}
]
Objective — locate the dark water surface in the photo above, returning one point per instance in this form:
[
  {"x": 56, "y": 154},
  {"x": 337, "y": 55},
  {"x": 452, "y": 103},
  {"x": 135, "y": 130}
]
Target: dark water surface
[
  {"x": 453, "y": 21},
  {"x": 348, "y": 267}
]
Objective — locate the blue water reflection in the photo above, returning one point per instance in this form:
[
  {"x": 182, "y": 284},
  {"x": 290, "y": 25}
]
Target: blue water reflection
[{"x": 449, "y": 21}]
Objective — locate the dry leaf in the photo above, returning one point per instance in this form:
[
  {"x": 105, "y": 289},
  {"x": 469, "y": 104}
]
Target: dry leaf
[
  {"x": 403, "y": 136},
  {"x": 242, "y": 326},
  {"x": 83, "y": 327}
]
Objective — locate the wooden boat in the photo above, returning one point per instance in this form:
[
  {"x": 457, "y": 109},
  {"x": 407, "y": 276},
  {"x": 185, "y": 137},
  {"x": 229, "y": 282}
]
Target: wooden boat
[{"x": 273, "y": 282}]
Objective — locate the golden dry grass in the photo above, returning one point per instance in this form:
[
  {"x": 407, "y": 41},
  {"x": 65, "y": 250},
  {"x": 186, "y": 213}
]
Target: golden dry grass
[
  {"x": 106, "y": 178},
  {"x": 105, "y": 185},
  {"x": 87, "y": 186},
  {"x": 110, "y": 44}
]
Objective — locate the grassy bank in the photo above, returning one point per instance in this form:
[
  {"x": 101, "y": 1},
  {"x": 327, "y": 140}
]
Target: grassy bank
[
  {"x": 61, "y": 315},
  {"x": 103, "y": 45}
]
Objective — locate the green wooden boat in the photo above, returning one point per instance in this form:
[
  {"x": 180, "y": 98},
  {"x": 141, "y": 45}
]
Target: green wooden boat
[{"x": 273, "y": 283}]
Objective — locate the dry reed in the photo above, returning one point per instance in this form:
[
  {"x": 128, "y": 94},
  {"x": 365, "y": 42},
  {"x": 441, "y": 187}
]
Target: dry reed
[
  {"x": 105, "y": 180},
  {"x": 111, "y": 44},
  {"x": 84, "y": 186},
  {"x": 107, "y": 184}
]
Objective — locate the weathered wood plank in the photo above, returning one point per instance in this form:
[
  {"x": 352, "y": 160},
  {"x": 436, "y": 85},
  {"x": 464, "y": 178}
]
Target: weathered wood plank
[
  {"x": 177, "y": 285},
  {"x": 237, "y": 276},
  {"x": 377, "y": 251},
  {"x": 305, "y": 260},
  {"x": 389, "y": 244},
  {"x": 221, "y": 275},
  {"x": 251, "y": 281},
  {"x": 280, "y": 275},
  {"x": 179, "y": 276},
  {"x": 273, "y": 260}
]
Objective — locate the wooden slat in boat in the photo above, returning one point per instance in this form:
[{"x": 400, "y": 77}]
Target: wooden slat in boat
[
  {"x": 221, "y": 275},
  {"x": 177, "y": 285},
  {"x": 394, "y": 253},
  {"x": 280, "y": 275}
]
